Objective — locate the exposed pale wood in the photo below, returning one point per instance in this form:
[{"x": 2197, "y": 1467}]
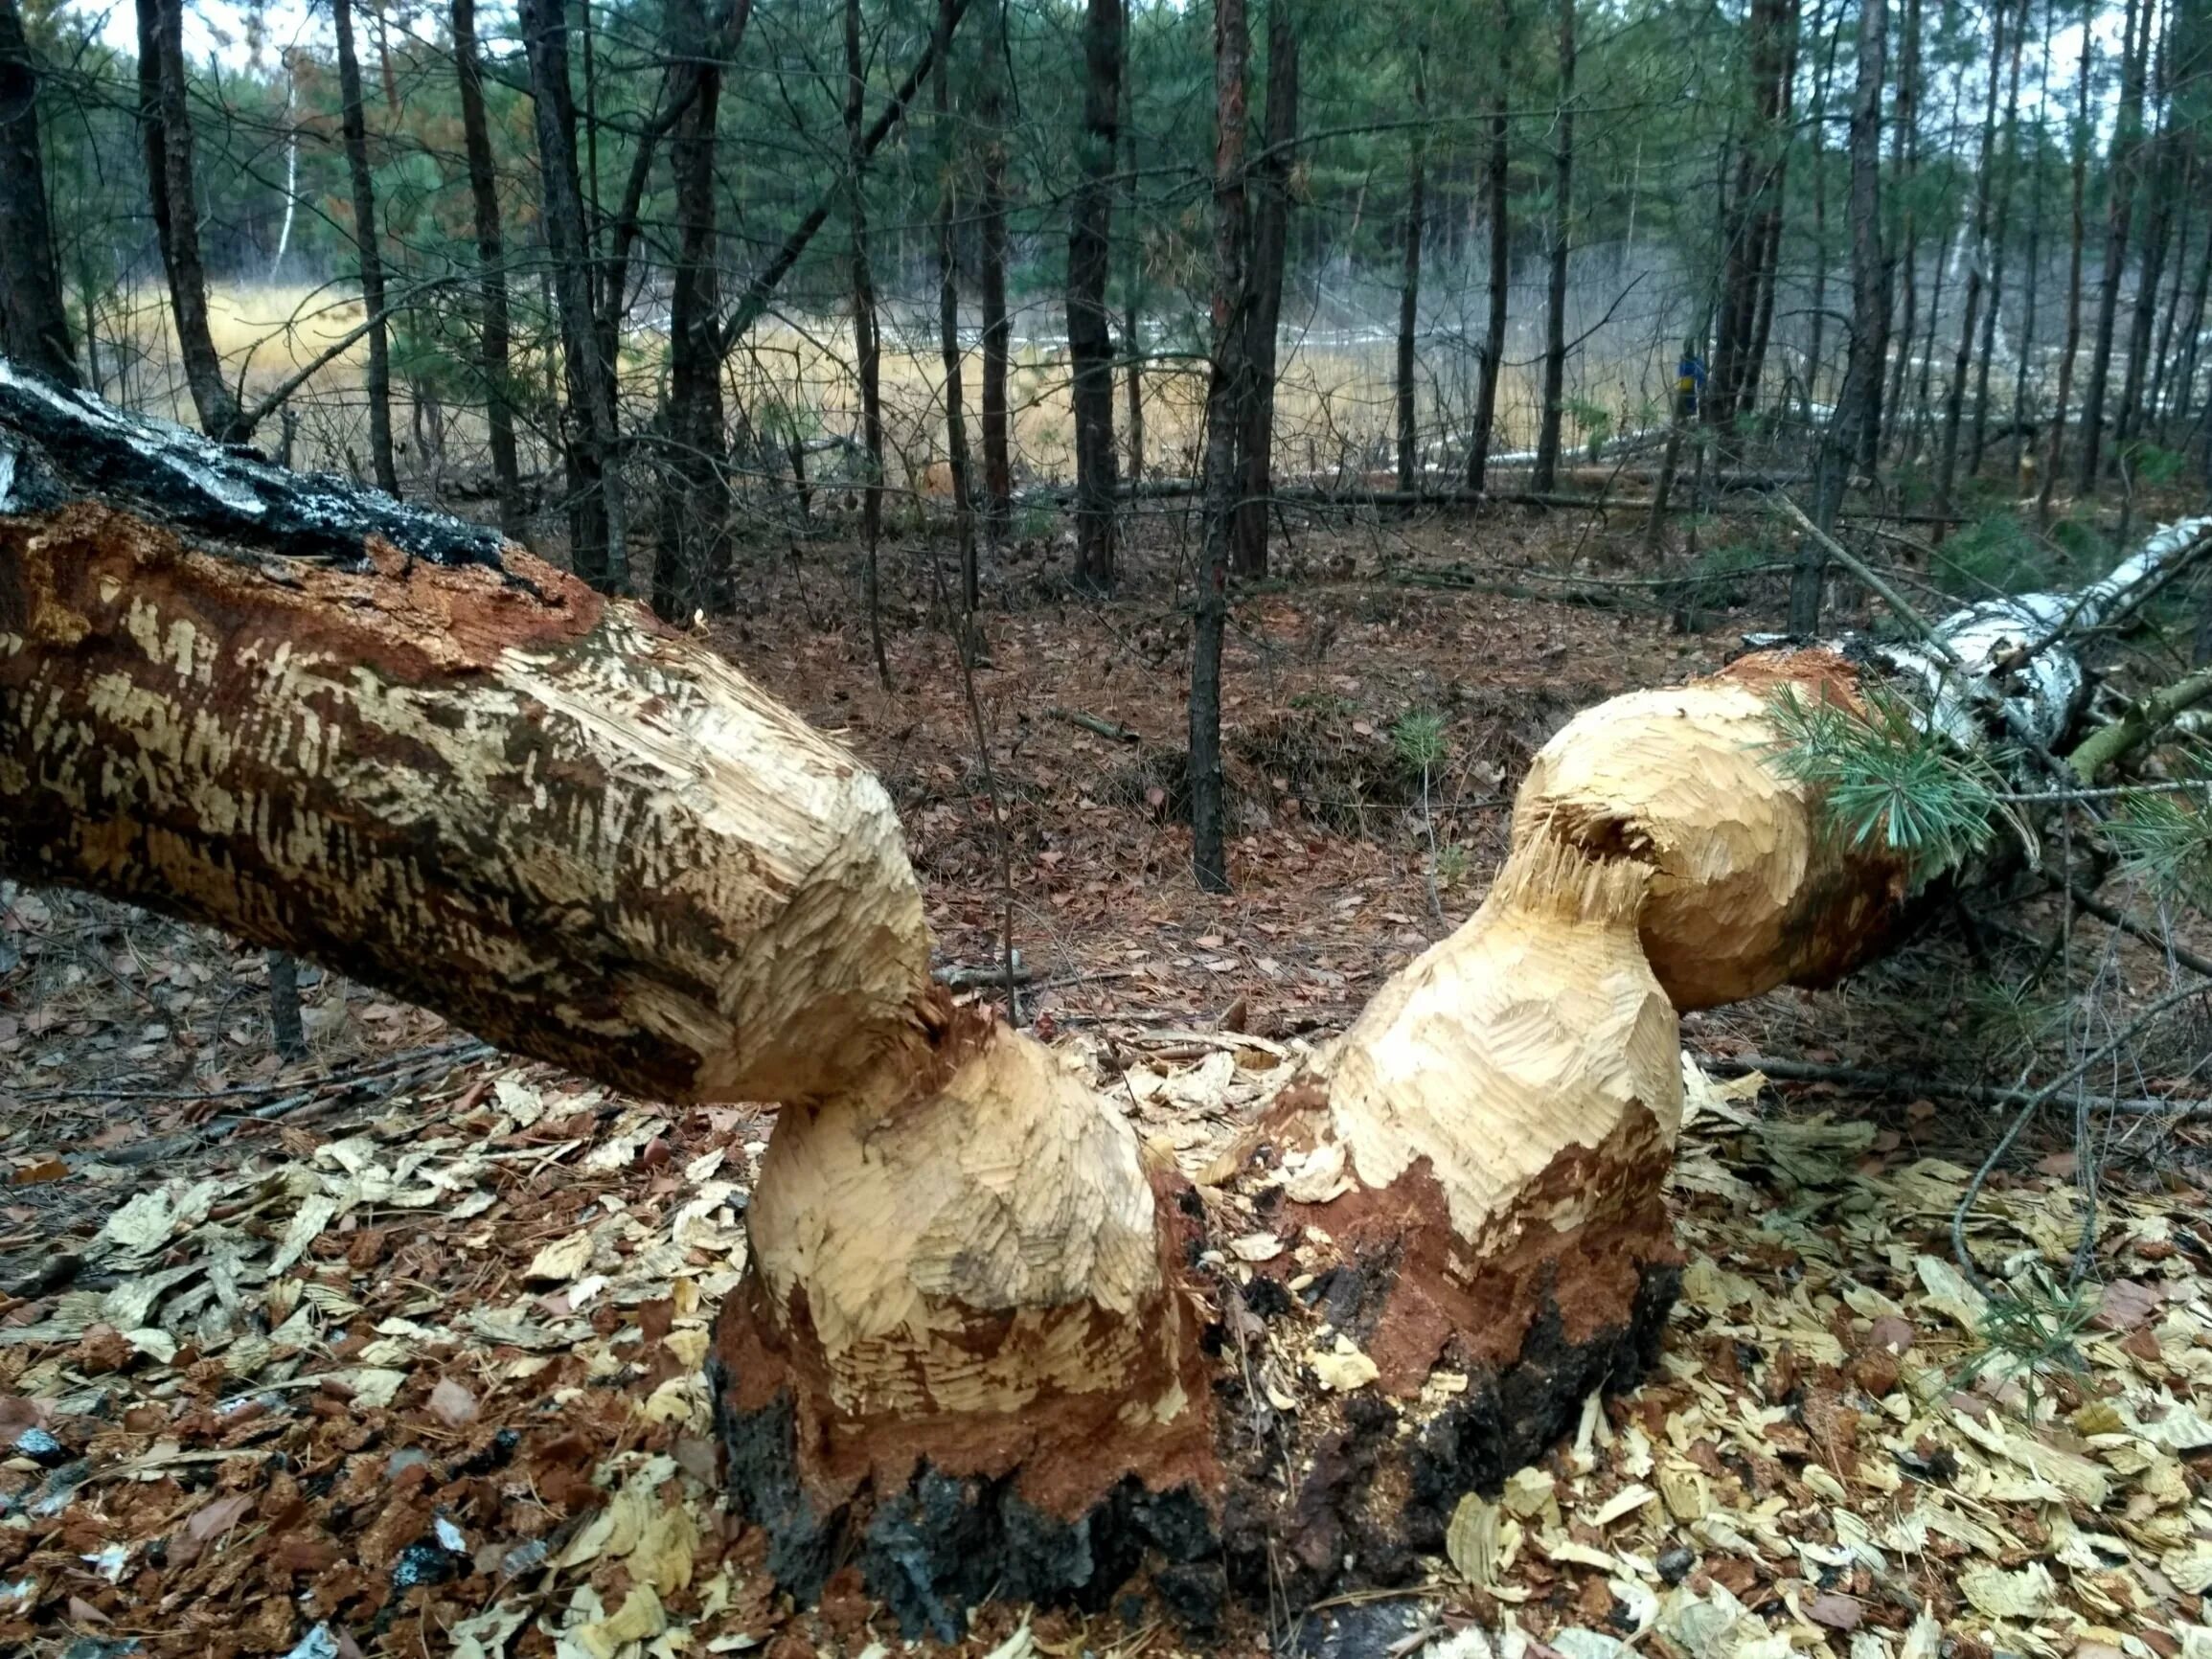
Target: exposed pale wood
[
  {"x": 1748, "y": 892},
  {"x": 583, "y": 836},
  {"x": 982, "y": 1243}
]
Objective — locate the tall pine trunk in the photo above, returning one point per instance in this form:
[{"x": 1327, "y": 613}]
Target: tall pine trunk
[
  {"x": 490, "y": 275},
  {"x": 1905, "y": 161},
  {"x": 1089, "y": 329},
  {"x": 949, "y": 163},
  {"x": 376, "y": 381},
  {"x": 2078, "y": 193},
  {"x": 2019, "y": 458},
  {"x": 1555, "y": 353},
  {"x": 997, "y": 330},
  {"x": 1495, "y": 176},
  {"x": 867, "y": 344},
  {"x": 1780, "y": 112},
  {"x": 165, "y": 122},
  {"x": 692, "y": 569},
  {"x": 2119, "y": 220},
  {"x": 1996, "y": 243},
  {"x": 1845, "y": 439},
  {"x": 1270, "y": 246},
  {"x": 597, "y": 510},
  {"x": 1133, "y": 266},
  {"x": 1409, "y": 281},
  {"x": 2163, "y": 191},
  {"x": 1225, "y": 395},
  {"x": 33, "y": 321},
  {"x": 1962, "y": 361}
]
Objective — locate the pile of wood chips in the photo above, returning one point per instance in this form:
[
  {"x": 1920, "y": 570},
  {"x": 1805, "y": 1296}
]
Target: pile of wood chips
[{"x": 433, "y": 1384}]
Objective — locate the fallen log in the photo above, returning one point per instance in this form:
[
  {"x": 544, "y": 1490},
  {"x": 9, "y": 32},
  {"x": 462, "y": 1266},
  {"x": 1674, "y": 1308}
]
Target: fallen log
[
  {"x": 384, "y": 741},
  {"x": 977, "y": 1347}
]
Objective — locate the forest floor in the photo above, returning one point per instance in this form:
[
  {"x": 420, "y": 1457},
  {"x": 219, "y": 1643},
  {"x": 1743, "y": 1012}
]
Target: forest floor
[{"x": 399, "y": 1349}]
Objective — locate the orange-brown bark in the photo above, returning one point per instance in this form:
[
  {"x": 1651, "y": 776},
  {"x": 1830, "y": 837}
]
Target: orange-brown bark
[{"x": 579, "y": 834}]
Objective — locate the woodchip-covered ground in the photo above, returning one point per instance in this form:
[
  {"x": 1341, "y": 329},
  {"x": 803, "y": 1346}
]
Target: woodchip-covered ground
[{"x": 399, "y": 1349}]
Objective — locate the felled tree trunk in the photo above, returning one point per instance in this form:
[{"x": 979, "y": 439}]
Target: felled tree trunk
[
  {"x": 974, "y": 1353},
  {"x": 389, "y": 742}
]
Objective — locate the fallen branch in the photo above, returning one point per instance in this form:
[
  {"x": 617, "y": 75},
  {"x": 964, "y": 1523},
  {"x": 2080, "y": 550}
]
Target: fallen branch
[
  {"x": 1105, "y": 728},
  {"x": 2143, "y": 721},
  {"x": 1905, "y": 1085},
  {"x": 2114, "y": 917}
]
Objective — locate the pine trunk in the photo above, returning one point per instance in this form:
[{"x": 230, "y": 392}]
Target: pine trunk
[
  {"x": 1270, "y": 246},
  {"x": 1409, "y": 286},
  {"x": 867, "y": 344},
  {"x": 376, "y": 377},
  {"x": 2119, "y": 217},
  {"x": 997, "y": 330},
  {"x": 1500, "y": 206},
  {"x": 1089, "y": 326},
  {"x": 597, "y": 510},
  {"x": 1224, "y": 397},
  {"x": 1962, "y": 361},
  {"x": 34, "y": 321},
  {"x": 1545, "y": 476},
  {"x": 2077, "y": 198},
  {"x": 1856, "y": 415},
  {"x": 165, "y": 123},
  {"x": 491, "y": 273},
  {"x": 692, "y": 571}
]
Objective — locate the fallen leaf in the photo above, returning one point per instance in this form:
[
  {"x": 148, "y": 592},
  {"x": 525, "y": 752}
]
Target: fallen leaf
[
  {"x": 1470, "y": 1540},
  {"x": 1836, "y": 1612},
  {"x": 452, "y": 1403},
  {"x": 561, "y": 1261}
]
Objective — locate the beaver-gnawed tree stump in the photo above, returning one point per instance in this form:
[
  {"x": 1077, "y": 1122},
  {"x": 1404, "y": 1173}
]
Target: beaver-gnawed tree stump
[{"x": 980, "y": 1349}]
